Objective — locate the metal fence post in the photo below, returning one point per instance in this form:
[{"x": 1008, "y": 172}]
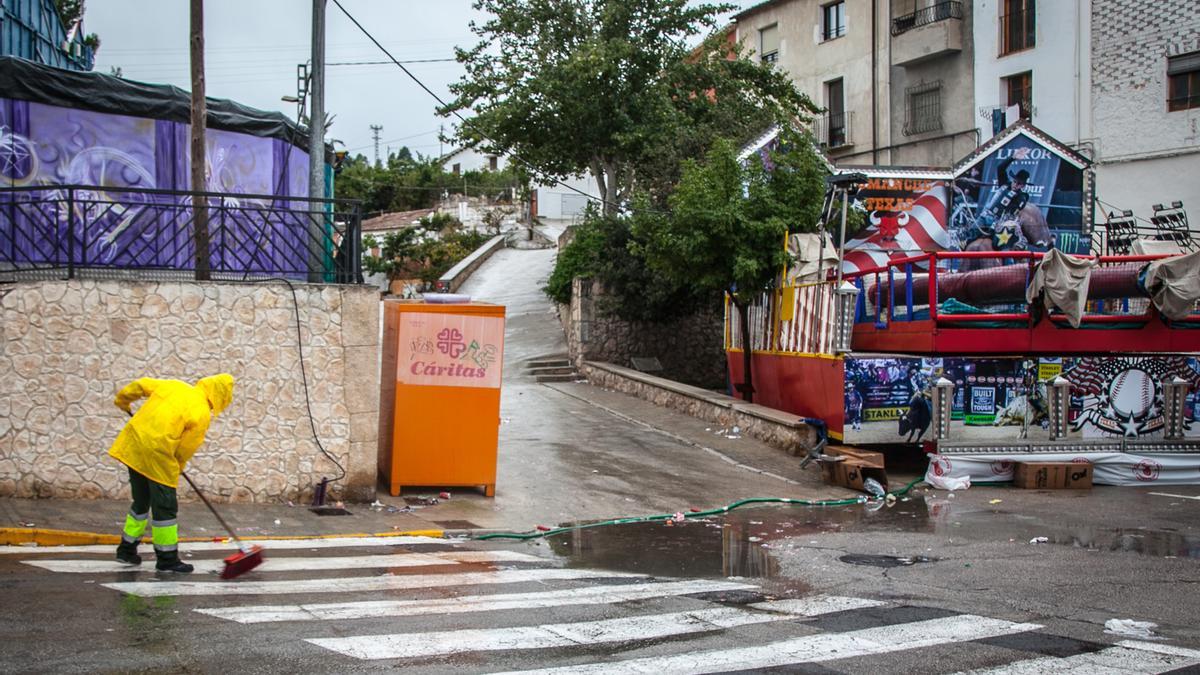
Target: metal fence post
[{"x": 70, "y": 233}]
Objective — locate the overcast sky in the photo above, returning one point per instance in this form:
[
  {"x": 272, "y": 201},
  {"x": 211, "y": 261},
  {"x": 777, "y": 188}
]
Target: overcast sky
[{"x": 253, "y": 47}]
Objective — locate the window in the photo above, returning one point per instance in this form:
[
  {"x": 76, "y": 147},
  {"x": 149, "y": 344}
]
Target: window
[
  {"x": 457, "y": 169},
  {"x": 833, "y": 20},
  {"x": 1017, "y": 30},
  {"x": 835, "y": 101},
  {"x": 1019, "y": 90},
  {"x": 491, "y": 163},
  {"x": 1183, "y": 81},
  {"x": 924, "y": 110},
  {"x": 768, "y": 43}
]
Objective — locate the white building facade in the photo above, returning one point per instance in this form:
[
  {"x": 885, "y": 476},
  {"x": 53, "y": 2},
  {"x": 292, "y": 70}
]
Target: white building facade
[
  {"x": 1098, "y": 76},
  {"x": 555, "y": 200}
]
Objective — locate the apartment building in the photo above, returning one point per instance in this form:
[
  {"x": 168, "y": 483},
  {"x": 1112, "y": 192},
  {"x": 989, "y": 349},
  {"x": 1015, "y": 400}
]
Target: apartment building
[
  {"x": 1145, "y": 105},
  {"x": 893, "y": 77}
]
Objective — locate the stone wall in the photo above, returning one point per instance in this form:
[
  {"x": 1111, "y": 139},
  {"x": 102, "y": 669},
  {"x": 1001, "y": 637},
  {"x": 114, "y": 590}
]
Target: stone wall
[
  {"x": 690, "y": 349},
  {"x": 68, "y": 346}
]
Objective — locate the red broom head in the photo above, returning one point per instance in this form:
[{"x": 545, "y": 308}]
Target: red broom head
[{"x": 241, "y": 562}]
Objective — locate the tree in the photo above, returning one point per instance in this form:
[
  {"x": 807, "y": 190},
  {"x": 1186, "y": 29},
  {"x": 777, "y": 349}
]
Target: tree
[
  {"x": 611, "y": 87},
  {"x": 725, "y": 232}
]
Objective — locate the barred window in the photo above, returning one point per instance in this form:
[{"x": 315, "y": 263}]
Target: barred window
[{"x": 923, "y": 112}]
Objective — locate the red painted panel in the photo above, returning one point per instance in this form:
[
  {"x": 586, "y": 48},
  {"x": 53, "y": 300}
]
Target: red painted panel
[{"x": 806, "y": 386}]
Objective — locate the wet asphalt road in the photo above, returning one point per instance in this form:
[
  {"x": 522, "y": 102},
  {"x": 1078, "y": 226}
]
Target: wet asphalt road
[{"x": 618, "y": 597}]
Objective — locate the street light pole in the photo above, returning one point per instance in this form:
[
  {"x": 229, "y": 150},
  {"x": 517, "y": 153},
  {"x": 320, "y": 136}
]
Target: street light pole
[{"x": 316, "y": 141}]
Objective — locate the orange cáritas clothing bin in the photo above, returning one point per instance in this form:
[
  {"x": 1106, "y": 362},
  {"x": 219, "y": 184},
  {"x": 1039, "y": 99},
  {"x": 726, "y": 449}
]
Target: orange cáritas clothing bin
[{"x": 439, "y": 419}]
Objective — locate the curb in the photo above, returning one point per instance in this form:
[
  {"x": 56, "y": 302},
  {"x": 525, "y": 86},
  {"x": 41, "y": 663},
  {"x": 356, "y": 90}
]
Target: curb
[{"x": 25, "y": 536}]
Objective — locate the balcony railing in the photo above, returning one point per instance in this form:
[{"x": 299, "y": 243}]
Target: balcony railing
[
  {"x": 1017, "y": 31},
  {"x": 927, "y": 15},
  {"x": 833, "y": 129},
  {"x": 68, "y": 231}
]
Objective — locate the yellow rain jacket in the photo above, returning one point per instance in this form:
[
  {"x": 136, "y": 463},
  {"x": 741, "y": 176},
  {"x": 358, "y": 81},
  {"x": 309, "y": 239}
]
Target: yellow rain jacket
[{"x": 170, "y": 425}]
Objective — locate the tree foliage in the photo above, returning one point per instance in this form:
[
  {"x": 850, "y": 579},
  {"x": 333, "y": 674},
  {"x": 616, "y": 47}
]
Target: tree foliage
[
  {"x": 611, "y": 87},
  {"x": 406, "y": 183}
]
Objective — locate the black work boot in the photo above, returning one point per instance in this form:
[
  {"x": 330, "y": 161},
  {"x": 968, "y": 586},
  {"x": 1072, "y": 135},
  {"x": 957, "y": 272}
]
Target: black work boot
[
  {"x": 177, "y": 566},
  {"x": 168, "y": 561},
  {"x": 127, "y": 553}
]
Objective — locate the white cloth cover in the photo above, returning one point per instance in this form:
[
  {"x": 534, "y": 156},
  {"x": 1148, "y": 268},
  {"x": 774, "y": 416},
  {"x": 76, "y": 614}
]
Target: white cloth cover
[
  {"x": 1062, "y": 281},
  {"x": 1174, "y": 285},
  {"x": 1109, "y": 468},
  {"x": 804, "y": 254}
]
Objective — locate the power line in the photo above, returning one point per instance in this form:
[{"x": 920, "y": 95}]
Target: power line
[{"x": 457, "y": 114}]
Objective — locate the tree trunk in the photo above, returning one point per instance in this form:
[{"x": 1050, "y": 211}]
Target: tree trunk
[
  {"x": 747, "y": 385},
  {"x": 602, "y": 186},
  {"x": 611, "y": 201},
  {"x": 199, "y": 150}
]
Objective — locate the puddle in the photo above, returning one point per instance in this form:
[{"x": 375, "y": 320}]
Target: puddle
[
  {"x": 1156, "y": 543},
  {"x": 884, "y": 560},
  {"x": 739, "y": 544}
]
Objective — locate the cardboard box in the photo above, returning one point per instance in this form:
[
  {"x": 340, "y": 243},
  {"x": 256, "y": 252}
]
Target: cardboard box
[
  {"x": 1053, "y": 475},
  {"x": 857, "y": 466}
]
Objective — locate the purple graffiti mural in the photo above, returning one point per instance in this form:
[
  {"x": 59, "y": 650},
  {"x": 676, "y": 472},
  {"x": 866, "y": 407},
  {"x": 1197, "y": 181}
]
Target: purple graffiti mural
[{"x": 119, "y": 220}]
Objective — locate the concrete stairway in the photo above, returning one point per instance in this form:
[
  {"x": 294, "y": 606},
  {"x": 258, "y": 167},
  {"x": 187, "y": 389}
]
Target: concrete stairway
[{"x": 552, "y": 369}]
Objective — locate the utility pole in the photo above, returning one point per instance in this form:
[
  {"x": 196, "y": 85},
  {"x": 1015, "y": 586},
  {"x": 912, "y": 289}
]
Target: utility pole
[
  {"x": 441, "y": 129},
  {"x": 375, "y": 129},
  {"x": 316, "y": 142},
  {"x": 199, "y": 148}
]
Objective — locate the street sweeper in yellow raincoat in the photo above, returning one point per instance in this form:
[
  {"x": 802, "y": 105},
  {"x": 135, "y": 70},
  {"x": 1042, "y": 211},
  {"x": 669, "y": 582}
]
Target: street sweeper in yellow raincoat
[{"x": 156, "y": 445}]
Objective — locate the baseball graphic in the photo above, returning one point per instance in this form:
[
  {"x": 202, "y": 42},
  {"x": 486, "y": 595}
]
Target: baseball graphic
[{"x": 1131, "y": 393}]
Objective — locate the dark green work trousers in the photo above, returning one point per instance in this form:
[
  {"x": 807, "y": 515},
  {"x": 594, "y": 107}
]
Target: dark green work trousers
[{"x": 158, "y": 504}]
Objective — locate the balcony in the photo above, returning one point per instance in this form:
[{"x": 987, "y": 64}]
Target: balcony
[
  {"x": 833, "y": 130},
  {"x": 928, "y": 33}
]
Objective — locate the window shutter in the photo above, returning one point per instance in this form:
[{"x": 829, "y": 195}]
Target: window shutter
[
  {"x": 1184, "y": 63},
  {"x": 769, "y": 39}
]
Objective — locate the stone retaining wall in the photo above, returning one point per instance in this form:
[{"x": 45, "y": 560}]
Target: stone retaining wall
[
  {"x": 690, "y": 349},
  {"x": 773, "y": 427},
  {"x": 68, "y": 346}
]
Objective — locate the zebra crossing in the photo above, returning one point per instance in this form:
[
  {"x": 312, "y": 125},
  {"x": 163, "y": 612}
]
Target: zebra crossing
[{"x": 476, "y": 603}]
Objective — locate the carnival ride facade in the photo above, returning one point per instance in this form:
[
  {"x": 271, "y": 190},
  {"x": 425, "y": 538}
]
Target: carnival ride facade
[{"x": 981, "y": 315}]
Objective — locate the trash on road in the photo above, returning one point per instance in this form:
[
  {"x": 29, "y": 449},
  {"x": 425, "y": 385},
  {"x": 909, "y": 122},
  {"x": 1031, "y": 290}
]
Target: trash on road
[
  {"x": 995, "y": 501},
  {"x": 1040, "y": 540},
  {"x": 873, "y": 488},
  {"x": 443, "y": 495},
  {"x": 948, "y": 482},
  {"x": 1130, "y": 628}
]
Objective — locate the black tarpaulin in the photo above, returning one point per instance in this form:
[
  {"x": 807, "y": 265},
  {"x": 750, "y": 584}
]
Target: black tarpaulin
[{"x": 28, "y": 81}]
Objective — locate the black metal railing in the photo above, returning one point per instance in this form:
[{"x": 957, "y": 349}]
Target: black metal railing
[
  {"x": 79, "y": 230},
  {"x": 833, "y": 129},
  {"x": 1017, "y": 31},
  {"x": 927, "y": 15}
]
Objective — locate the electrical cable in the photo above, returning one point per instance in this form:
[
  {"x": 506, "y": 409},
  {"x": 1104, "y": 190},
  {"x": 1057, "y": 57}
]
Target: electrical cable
[
  {"x": 304, "y": 376},
  {"x": 524, "y": 536}
]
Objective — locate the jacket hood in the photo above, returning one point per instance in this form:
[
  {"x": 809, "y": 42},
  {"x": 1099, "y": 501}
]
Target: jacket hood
[{"x": 218, "y": 389}]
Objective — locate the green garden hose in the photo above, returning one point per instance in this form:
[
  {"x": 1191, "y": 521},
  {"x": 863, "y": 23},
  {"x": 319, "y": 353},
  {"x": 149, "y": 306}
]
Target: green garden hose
[{"x": 698, "y": 514}]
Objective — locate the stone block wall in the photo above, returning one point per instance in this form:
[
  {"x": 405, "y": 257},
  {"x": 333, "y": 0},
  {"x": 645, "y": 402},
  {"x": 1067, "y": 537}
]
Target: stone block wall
[
  {"x": 68, "y": 346},
  {"x": 690, "y": 349}
]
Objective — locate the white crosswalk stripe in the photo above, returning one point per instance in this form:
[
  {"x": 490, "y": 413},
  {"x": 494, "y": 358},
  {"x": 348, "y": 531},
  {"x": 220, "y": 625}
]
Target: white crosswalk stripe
[
  {"x": 588, "y": 595},
  {"x": 814, "y": 648},
  {"x": 644, "y": 627},
  {"x": 303, "y": 564},
  {"x": 151, "y": 589},
  {"x": 694, "y": 625},
  {"x": 1126, "y": 657}
]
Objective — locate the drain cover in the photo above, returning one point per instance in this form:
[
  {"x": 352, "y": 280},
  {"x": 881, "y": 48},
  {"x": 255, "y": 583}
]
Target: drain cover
[
  {"x": 329, "y": 511},
  {"x": 884, "y": 560}
]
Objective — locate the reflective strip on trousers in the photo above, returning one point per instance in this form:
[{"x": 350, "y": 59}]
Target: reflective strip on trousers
[
  {"x": 165, "y": 535},
  {"x": 135, "y": 526}
]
